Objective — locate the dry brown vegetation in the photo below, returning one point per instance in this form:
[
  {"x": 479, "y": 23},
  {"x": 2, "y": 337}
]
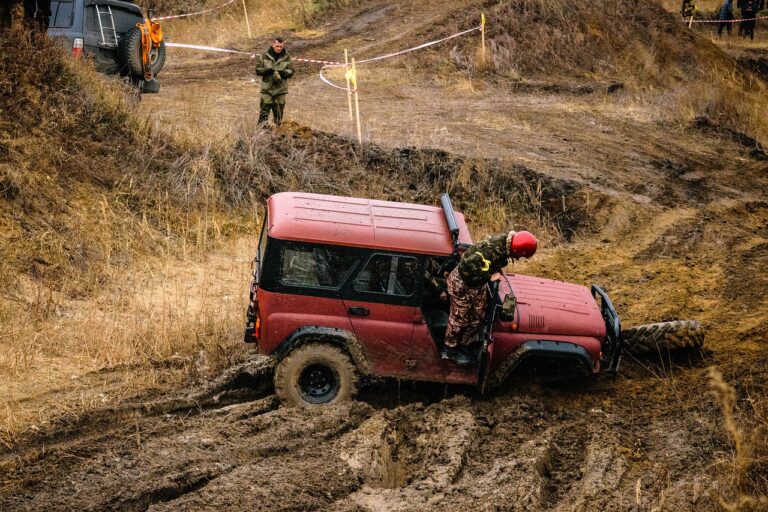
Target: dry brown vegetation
[
  {"x": 227, "y": 26},
  {"x": 125, "y": 247}
]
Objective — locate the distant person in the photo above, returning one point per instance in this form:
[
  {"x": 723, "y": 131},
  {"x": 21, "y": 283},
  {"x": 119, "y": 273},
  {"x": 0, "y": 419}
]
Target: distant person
[
  {"x": 275, "y": 69},
  {"x": 749, "y": 10},
  {"x": 726, "y": 14},
  {"x": 687, "y": 8}
]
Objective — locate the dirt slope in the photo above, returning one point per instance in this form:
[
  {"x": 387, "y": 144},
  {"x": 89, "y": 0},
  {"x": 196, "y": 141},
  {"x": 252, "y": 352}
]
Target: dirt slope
[{"x": 670, "y": 217}]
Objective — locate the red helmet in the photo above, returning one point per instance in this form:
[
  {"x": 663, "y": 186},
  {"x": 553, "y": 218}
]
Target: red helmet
[{"x": 522, "y": 245}]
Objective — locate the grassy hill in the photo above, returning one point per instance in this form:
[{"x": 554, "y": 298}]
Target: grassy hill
[{"x": 113, "y": 228}]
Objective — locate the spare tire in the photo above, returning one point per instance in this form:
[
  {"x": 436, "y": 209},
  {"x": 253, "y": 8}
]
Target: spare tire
[
  {"x": 663, "y": 336},
  {"x": 130, "y": 54}
]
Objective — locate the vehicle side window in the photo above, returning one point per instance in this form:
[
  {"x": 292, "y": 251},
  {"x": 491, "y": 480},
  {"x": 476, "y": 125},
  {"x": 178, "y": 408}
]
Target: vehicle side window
[
  {"x": 387, "y": 274},
  {"x": 61, "y": 14},
  {"x": 314, "y": 267}
]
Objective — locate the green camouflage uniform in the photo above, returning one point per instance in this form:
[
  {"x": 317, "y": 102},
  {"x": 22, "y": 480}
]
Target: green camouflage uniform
[
  {"x": 273, "y": 91},
  {"x": 435, "y": 284},
  {"x": 467, "y": 287}
]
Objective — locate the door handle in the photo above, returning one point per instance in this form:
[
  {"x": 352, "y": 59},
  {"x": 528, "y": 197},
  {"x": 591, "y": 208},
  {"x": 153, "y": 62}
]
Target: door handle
[{"x": 357, "y": 311}]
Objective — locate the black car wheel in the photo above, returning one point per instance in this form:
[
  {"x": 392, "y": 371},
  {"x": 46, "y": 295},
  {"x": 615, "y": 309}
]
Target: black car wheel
[
  {"x": 318, "y": 383},
  {"x": 316, "y": 374}
]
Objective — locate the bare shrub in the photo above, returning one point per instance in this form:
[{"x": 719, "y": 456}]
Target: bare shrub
[{"x": 747, "y": 461}]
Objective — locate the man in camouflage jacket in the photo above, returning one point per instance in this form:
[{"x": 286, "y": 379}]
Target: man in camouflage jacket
[
  {"x": 275, "y": 69},
  {"x": 480, "y": 265}
]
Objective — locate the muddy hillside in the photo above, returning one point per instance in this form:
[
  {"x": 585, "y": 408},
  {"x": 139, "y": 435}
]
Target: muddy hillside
[{"x": 634, "y": 147}]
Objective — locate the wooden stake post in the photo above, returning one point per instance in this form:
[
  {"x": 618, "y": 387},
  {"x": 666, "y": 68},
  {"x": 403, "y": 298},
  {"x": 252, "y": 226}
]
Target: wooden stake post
[
  {"x": 482, "y": 34},
  {"x": 357, "y": 102},
  {"x": 247, "y": 23},
  {"x": 349, "y": 88}
]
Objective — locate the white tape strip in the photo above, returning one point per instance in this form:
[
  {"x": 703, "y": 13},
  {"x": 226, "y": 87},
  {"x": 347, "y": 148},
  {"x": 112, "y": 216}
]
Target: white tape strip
[
  {"x": 726, "y": 21},
  {"x": 328, "y": 82},
  {"x": 391, "y": 55},
  {"x": 421, "y": 46},
  {"x": 315, "y": 61},
  {"x": 239, "y": 52},
  {"x": 205, "y": 48},
  {"x": 193, "y": 13}
]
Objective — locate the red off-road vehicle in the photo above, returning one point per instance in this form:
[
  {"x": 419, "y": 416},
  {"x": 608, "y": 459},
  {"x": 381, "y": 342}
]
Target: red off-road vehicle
[{"x": 339, "y": 294}]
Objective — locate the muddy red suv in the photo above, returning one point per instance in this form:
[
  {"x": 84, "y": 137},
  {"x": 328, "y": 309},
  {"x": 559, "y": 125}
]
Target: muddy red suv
[{"x": 339, "y": 294}]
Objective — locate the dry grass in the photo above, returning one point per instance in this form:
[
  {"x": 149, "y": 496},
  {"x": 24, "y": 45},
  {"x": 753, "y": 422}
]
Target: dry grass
[
  {"x": 227, "y": 26},
  {"x": 184, "y": 315},
  {"x": 636, "y": 43},
  {"x": 732, "y": 100},
  {"x": 641, "y": 45},
  {"x": 749, "y": 456}
]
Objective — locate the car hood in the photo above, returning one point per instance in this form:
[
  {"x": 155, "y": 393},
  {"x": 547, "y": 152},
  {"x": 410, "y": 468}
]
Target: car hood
[{"x": 553, "y": 307}]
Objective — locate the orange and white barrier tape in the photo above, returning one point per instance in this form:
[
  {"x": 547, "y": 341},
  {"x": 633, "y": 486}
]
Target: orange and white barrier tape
[
  {"x": 240, "y": 52},
  {"x": 194, "y": 13},
  {"x": 315, "y": 61},
  {"x": 727, "y": 21}
]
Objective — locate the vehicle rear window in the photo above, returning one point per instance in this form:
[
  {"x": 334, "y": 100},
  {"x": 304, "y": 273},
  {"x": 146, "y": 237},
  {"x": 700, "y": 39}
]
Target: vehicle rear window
[
  {"x": 315, "y": 266},
  {"x": 388, "y": 274},
  {"x": 61, "y": 14}
]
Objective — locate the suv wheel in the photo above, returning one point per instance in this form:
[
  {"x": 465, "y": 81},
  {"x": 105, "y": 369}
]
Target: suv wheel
[{"x": 315, "y": 374}]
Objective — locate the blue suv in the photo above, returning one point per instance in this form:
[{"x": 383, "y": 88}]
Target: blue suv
[{"x": 105, "y": 31}]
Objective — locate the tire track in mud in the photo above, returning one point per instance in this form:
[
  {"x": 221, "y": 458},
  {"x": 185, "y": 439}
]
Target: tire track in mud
[
  {"x": 178, "y": 464},
  {"x": 528, "y": 447}
]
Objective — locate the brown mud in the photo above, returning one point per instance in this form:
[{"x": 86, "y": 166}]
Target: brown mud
[{"x": 677, "y": 228}]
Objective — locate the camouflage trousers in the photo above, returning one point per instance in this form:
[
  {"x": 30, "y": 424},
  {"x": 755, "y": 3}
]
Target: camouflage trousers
[
  {"x": 468, "y": 308},
  {"x": 274, "y": 104}
]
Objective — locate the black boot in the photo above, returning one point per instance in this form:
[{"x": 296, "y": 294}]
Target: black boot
[{"x": 457, "y": 355}]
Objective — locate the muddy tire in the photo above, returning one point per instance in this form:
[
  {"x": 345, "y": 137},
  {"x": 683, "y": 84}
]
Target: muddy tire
[
  {"x": 130, "y": 54},
  {"x": 316, "y": 374},
  {"x": 655, "y": 338}
]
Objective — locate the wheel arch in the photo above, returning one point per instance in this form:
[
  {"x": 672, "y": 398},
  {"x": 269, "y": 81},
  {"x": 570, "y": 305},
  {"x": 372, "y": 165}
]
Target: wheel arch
[
  {"x": 543, "y": 349},
  {"x": 328, "y": 335}
]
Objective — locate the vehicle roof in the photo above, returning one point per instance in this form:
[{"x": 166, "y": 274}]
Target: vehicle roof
[
  {"x": 358, "y": 222},
  {"x": 125, "y": 4}
]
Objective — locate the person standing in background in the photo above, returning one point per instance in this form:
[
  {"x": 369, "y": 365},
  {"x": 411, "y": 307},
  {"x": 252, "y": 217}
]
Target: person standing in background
[
  {"x": 749, "y": 10},
  {"x": 275, "y": 69},
  {"x": 726, "y": 14}
]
